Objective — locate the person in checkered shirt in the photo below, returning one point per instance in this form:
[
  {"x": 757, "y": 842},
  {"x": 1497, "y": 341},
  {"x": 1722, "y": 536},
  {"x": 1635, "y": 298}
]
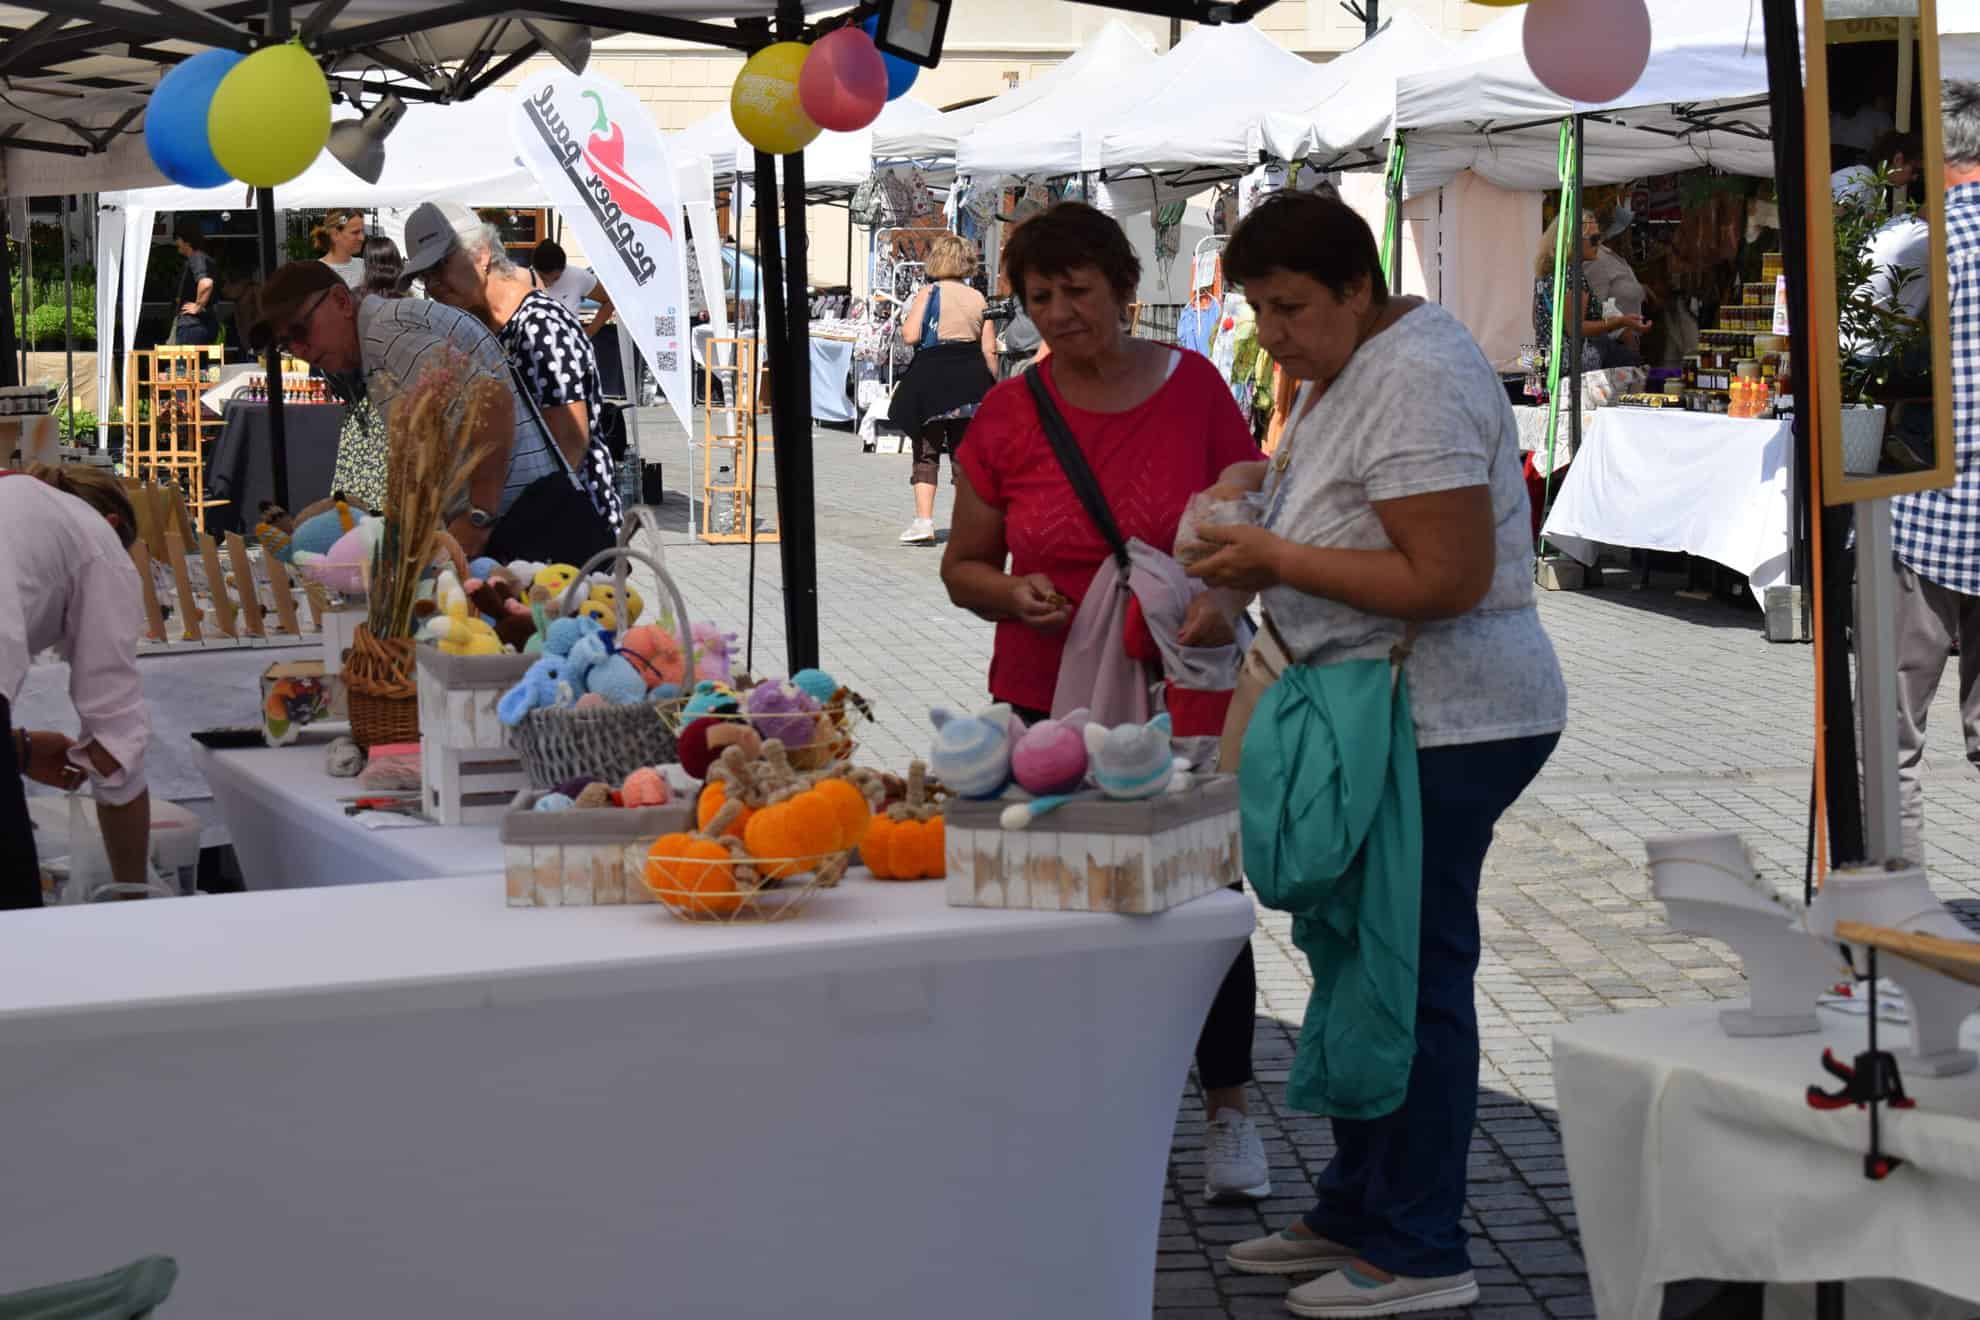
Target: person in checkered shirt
[{"x": 1936, "y": 533}]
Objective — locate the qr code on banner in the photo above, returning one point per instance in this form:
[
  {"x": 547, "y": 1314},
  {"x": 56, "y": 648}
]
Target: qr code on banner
[
  {"x": 668, "y": 362},
  {"x": 663, "y": 326}
]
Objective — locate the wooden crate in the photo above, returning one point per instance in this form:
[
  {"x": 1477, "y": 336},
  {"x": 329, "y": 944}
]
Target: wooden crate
[
  {"x": 582, "y": 858},
  {"x": 469, "y": 775},
  {"x": 1098, "y": 856}
]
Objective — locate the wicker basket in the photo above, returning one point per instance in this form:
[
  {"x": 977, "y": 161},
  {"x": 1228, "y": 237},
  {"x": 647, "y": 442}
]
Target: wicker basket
[
  {"x": 610, "y": 743},
  {"x": 380, "y": 680}
]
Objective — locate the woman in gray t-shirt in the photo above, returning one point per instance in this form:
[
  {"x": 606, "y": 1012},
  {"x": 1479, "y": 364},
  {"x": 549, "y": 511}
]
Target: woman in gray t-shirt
[{"x": 1394, "y": 498}]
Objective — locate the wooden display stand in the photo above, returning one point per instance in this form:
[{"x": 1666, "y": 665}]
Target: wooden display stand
[
  {"x": 232, "y": 587},
  {"x": 165, "y": 426},
  {"x": 729, "y": 432}
]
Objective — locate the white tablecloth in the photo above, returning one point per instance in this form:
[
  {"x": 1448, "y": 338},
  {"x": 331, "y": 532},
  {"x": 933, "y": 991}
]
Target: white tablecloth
[
  {"x": 290, "y": 832},
  {"x": 1533, "y": 435},
  {"x": 410, "y": 1100},
  {"x": 1693, "y": 1155},
  {"x": 1711, "y": 486}
]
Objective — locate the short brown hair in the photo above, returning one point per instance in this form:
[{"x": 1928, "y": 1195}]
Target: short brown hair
[
  {"x": 1311, "y": 234},
  {"x": 99, "y": 489},
  {"x": 951, "y": 257},
  {"x": 1066, "y": 237}
]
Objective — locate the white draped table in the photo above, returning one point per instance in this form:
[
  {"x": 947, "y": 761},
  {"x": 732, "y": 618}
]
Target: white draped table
[
  {"x": 1694, "y": 1155},
  {"x": 411, "y": 1100},
  {"x": 290, "y": 832},
  {"x": 1659, "y": 479}
]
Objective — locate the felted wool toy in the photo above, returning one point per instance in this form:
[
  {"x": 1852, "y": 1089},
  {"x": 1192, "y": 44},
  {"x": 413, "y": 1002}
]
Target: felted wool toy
[
  {"x": 483, "y": 567},
  {"x": 553, "y": 802},
  {"x": 572, "y": 787},
  {"x": 972, "y": 753},
  {"x": 712, "y": 648},
  {"x": 345, "y": 759},
  {"x": 555, "y": 577},
  {"x": 823, "y": 747},
  {"x": 591, "y": 701},
  {"x": 645, "y": 787},
  {"x": 816, "y": 684},
  {"x": 691, "y": 747},
  {"x": 606, "y": 594},
  {"x": 1050, "y": 757},
  {"x": 460, "y": 635},
  {"x": 342, "y": 568},
  {"x": 655, "y": 652},
  {"x": 585, "y": 655},
  {"x": 563, "y": 634},
  {"x": 593, "y": 797},
  {"x": 498, "y": 599},
  {"x": 781, "y": 711},
  {"x": 543, "y": 684},
  {"x": 1133, "y": 760},
  {"x": 317, "y": 533},
  {"x": 597, "y": 611},
  {"x": 615, "y": 679},
  {"x": 713, "y": 698}
]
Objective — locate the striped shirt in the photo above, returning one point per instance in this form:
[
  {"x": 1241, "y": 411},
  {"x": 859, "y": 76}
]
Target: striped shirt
[
  {"x": 1936, "y": 533},
  {"x": 399, "y": 338}
]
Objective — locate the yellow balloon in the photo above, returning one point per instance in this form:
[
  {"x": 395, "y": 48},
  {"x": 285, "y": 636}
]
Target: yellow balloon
[
  {"x": 270, "y": 116},
  {"x": 764, "y": 101}
]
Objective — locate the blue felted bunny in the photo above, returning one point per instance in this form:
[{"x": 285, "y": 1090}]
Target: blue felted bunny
[
  {"x": 544, "y": 683},
  {"x": 615, "y": 679},
  {"x": 567, "y": 633},
  {"x": 585, "y": 653}
]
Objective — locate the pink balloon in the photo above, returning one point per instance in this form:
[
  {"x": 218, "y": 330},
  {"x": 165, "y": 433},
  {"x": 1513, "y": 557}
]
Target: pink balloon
[
  {"x": 843, "y": 84},
  {"x": 1587, "y": 50}
]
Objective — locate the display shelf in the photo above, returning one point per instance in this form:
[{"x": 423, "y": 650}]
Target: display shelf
[{"x": 731, "y": 441}]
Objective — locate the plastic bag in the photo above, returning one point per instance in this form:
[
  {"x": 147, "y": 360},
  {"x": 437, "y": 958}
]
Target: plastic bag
[{"x": 1208, "y": 506}]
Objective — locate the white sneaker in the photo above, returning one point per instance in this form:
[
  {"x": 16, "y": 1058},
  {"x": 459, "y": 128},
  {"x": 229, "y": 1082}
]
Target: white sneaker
[
  {"x": 1236, "y": 1158},
  {"x": 1347, "y": 1293},
  {"x": 919, "y": 532}
]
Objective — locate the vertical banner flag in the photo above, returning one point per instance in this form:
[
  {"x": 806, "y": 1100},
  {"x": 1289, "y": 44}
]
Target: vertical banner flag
[{"x": 602, "y": 161}]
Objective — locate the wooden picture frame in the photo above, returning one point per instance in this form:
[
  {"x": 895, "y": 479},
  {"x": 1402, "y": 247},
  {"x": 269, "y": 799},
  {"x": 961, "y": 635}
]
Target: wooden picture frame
[{"x": 1818, "y": 383}]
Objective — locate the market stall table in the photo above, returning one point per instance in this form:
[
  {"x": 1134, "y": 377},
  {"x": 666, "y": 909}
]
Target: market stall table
[
  {"x": 290, "y": 831},
  {"x": 411, "y": 1100},
  {"x": 239, "y": 469},
  {"x": 1660, "y": 479},
  {"x": 1695, "y": 1155}
]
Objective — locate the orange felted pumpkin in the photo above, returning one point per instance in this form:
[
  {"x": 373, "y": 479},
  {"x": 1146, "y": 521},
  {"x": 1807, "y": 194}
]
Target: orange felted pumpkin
[
  {"x": 714, "y": 797},
  {"x": 796, "y": 829},
  {"x": 850, "y": 806},
  {"x": 908, "y": 840},
  {"x": 700, "y": 874}
]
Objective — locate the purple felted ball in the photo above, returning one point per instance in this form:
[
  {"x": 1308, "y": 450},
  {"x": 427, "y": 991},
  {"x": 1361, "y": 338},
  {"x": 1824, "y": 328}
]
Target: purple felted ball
[
  {"x": 1050, "y": 758},
  {"x": 782, "y": 711}
]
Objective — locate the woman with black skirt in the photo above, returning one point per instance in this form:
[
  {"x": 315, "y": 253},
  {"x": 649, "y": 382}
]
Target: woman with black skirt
[{"x": 955, "y": 364}]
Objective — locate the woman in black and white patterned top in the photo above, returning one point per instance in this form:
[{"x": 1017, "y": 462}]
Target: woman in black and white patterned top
[{"x": 545, "y": 343}]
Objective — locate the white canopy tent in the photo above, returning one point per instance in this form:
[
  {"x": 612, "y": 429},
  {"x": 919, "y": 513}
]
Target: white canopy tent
[
  {"x": 833, "y": 161},
  {"x": 1062, "y": 133},
  {"x": 1346, "y": 105},
  {"x": 1700, "y": 101},
  {"x": 458, "y": 153}
]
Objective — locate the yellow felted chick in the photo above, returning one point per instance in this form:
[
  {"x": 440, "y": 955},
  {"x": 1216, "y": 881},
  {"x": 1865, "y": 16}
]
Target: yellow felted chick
[
  {"x": 448, "y": 596},
  {"x": 461, "y": 635},
  {"x": 605, "y": 594},
  {"x": 555, "y": 577},
  {"x": 599, "y": 610}
]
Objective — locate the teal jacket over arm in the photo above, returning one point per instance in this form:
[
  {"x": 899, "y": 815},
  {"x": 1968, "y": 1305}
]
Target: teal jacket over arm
[{"x": 1332, "y": 824}]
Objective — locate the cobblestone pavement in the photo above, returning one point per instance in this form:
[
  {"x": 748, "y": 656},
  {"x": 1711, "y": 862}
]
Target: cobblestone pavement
[{"x": 1682, "y": 718}]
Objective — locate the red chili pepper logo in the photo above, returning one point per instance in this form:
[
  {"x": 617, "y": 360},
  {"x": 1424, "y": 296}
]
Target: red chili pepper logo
[{"x": 605, "y": 153}]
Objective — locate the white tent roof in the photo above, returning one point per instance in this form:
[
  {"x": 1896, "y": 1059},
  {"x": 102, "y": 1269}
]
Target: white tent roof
[
  {"x": 833, "y": 160},
  {"x": 1110, "y": 54},
  {"x": 910, "y": 130},
  {"x": 1704, "y": 55},
  {"x": 1062, "y": 133},
  {"x": 1345, "y": 105}
]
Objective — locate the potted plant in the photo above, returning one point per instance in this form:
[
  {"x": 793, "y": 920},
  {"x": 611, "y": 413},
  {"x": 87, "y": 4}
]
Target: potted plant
[{"x": 1879, "y": 342}]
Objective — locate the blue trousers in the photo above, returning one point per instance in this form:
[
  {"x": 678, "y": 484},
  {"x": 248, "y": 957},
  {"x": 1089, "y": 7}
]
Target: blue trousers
[{"x": 1395, "y": 1188}]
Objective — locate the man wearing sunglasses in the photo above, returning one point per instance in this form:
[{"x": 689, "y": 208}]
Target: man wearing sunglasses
[{"x": 308, "y": 310}]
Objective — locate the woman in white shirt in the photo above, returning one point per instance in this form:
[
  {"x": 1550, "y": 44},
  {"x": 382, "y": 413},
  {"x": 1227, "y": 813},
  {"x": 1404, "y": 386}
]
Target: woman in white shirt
[
  {"x": 67, "y": 584},
  {"x": 339, "y": 243}
]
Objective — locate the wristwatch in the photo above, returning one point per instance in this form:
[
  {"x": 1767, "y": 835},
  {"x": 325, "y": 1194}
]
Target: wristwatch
[{"x": 480, "y": 519}]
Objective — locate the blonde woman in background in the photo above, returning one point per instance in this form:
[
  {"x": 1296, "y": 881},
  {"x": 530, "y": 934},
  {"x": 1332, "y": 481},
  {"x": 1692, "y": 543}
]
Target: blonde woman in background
[
  {"x": 955, "y": 364},
  {"x": 340, "y": 244},
  {"x": 1595, "y": 327},
  {"x": 67, "y": 584}
]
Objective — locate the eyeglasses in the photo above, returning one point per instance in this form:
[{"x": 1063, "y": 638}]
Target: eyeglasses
[{"x": 299, "y": 328}]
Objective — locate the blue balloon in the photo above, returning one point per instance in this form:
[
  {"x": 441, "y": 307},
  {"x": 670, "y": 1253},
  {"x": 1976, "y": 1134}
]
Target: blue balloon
[
  {"x": 900, "y": 73},
  {"x": 175, "y": 123}
]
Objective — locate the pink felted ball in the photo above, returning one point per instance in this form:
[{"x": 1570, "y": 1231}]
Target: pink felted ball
[
  {"x": 655, "y": 653},
  {"x": 591, "y": 701},
  {"x": 645, "y": 788},
  {"x": 1050, "y": 757}
]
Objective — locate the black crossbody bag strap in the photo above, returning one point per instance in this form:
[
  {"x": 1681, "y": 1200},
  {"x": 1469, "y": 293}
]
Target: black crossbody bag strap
[{"x": 1084, "y": 483}]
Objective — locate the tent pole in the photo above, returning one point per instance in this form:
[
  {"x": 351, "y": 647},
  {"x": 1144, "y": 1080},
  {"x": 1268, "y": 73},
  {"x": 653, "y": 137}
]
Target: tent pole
[
  {"x": 69, "y": 318},
  {"x": 770, "y": 328},
  {"x": 1575, "y": 246},
  {"x": 278, "y": 439},
  {"x": 9, "y": 349},
  {"x": 797, "y": 511}
]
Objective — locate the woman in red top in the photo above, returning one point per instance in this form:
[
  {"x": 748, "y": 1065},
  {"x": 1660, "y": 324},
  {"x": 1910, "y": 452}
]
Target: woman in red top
[{"x": 1156, "y": 424}]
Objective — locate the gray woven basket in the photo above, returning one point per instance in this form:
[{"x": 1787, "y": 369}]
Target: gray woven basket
[{"x": 613, "y": 741}]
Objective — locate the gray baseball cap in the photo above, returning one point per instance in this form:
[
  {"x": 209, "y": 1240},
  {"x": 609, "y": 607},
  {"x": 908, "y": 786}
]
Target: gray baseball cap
[{"x": 432, "y": 230}]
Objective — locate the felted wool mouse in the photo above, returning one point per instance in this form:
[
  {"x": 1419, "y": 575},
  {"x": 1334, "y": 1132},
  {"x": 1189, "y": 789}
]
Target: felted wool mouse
[{"x": 972, "y": 753}]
